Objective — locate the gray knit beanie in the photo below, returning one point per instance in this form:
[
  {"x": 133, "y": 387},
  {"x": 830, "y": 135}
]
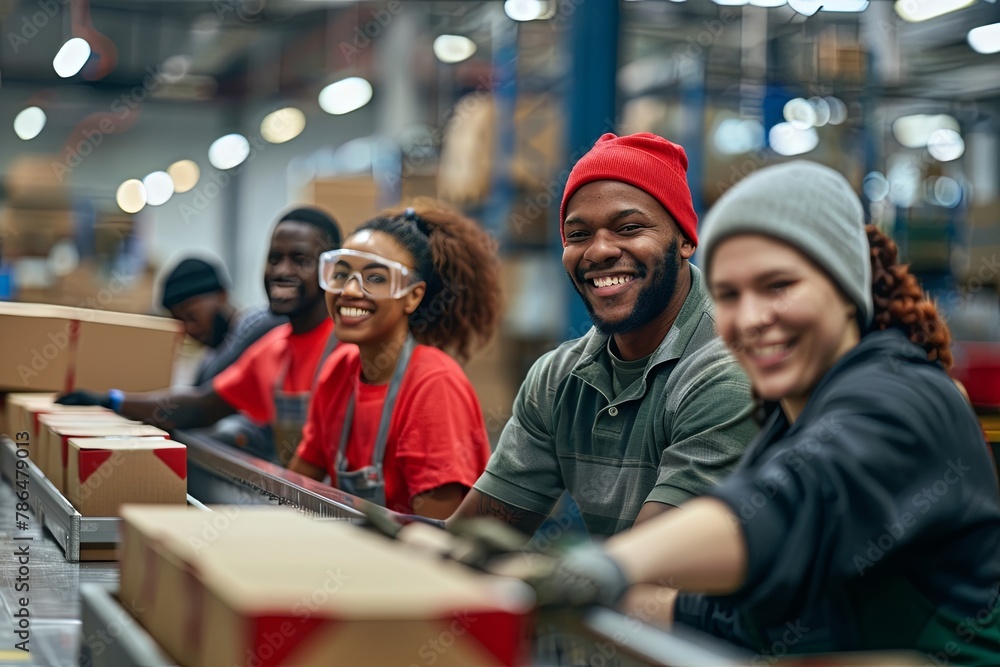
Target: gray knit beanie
[{"x": 810, "y": 207}]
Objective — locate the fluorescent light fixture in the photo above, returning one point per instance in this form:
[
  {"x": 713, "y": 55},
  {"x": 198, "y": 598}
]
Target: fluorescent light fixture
[
  {"x": 71, "y": 57},
  {"x": 282, "y": 125},
  {"x": 453, "y": 48},
  {"x": 184, "y": 174},
  {"x": 985, "y": 38},
  {"x": 914, "y": 131},
  {"x": 29, "y": 123},
  {"x": 810, "y": 7},
  {"x": 786, "y": 139},
  {"x": 945, "y": 145},
  {"x": 131, "y": 196},
  {"x": 345, "y": 96},
  {"x": 768, "y": 3},
  {"x": 159, "y": 188},
  {"x": 915, "y": 11},
  {"x": 228, "y": 151},
  {"x": 730, "y": 3},
  {"x": 528, "y": 10}
]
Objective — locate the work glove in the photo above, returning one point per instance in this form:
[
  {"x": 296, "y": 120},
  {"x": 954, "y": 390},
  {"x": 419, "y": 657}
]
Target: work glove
[
  {"x": 82, "y": 397},
  {"x": 585, "y": 575}
]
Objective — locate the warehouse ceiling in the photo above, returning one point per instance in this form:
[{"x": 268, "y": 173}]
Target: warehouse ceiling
[{"x": 245, "y": 49}]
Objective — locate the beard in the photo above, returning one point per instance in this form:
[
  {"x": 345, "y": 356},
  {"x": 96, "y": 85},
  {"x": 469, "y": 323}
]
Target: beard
[{"x": 651, "y": 300}]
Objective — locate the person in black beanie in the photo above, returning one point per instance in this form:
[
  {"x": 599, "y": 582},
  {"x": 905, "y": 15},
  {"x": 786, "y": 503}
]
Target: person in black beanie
[{"x": 195, "y": 292}]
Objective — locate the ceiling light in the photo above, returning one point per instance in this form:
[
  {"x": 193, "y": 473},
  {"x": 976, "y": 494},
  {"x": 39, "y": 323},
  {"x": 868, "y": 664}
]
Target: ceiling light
[
  {"x": 838, "y": 110},
  {"x": 735, "y": 136},
  {"x": 282, "y": 125},
  {"x": 228, "y": 151},
  {"x": 730, "y": 3},
  {"x": 810, "y": 7},
  {"x": 159, "y": 188},
  {"x": 945, "y": 145},
  {"x": 184, "y": 174},
  {"x": 768, "y": 3},
  {"x": 922, "y": 10},
  {"x": 799, "y": 113},
  {"x": 345, "y": 96},
  {"x": 131, "y": 196},
  {"x": 453, "y": 48},
  {"x": 875, "y": 186},
  {"x": 985, "y": 39},
  {"x": 528, "y": 10},
  {"x": 71, "y": 57},
  {"x": 29, "y": 123},
  {"x": 822, "y": 110},
  {"x": 786, "y": 139},
  {"x": 914, "y": 131}
]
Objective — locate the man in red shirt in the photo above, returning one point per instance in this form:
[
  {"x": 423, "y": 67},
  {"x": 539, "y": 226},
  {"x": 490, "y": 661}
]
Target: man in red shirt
[{"x": 271, "y": 382}]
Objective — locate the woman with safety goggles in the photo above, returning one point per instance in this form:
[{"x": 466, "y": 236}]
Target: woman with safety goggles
[{"x": 394, "y": 420}]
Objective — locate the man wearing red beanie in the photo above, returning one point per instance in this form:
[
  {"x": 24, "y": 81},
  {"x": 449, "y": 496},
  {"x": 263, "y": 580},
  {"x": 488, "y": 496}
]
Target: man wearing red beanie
[{"x": 648, "y": 408}]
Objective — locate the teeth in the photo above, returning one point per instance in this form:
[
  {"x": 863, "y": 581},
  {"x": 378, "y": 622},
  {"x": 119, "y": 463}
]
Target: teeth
[
  {"x": 770, "y": 349},
  {"x": 354, "y": 312},
  {"x": 608, "y": 281}
]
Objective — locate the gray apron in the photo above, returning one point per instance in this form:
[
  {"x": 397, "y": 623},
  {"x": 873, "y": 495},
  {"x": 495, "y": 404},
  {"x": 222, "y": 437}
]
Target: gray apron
[
  {"x": 291, "y": 409},
  {"x": 369, "y": 482}
]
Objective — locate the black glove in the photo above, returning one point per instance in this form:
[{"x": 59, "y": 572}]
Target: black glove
[
  {"x": 81, "y": 397},
  {"x": 585, "y": 575}
]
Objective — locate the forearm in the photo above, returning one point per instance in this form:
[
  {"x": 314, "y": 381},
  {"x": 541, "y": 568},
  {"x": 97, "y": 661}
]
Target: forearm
[
  {"x": 178, "y": 408},
  {"x": 699, "y": 549},
  {"x": 478, "y": 504}
]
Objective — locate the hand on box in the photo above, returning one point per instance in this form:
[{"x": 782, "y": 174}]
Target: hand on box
[{"x": 83, "y": 397}]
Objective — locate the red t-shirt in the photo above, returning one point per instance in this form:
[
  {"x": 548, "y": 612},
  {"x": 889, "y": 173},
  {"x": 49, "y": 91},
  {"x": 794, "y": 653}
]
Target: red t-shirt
[
  {"x": 436, "y": 436},
  {"x": 248, "y": 383}
]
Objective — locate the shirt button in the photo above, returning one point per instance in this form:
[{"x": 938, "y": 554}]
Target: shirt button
[{"x": 613, "y": 411}]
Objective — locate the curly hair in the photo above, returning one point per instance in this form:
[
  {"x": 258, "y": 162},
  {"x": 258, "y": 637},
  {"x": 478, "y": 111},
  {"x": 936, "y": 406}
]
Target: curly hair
[
  {"x": 458, "y": 261},
  {"x": 901, "y": 304}
]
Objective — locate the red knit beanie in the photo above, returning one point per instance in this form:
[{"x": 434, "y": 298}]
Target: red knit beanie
[{"x": 645, "y": 161}]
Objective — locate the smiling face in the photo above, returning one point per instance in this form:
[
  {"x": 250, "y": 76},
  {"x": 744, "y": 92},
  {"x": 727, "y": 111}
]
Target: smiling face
[
  {"x": 291, "y": 274},
  {"x": 782, "y": 317},
  {"x": 623, "y": 253},
  {"x": 361, "y": 319}
]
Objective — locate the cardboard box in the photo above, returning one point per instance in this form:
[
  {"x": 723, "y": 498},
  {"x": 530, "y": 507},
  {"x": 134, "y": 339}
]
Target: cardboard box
[
  {"x": 25, "y": 411},
  {"x": 319, "y": 593},
  {"x": 104, "y": 473},
  {"x": 36, "y": 180},
  {"x": 57, "y": 348},
  {"x": 54, "y": 436},
  {"x": 31, "y": 232},
  {"x": 351, "y": 200},
  {"x": 12, "y": 408},
  {"x": 152, "y": 576}
]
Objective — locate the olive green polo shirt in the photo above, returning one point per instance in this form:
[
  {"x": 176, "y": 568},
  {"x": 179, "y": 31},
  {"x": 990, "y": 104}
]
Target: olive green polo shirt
[{"x": 678, "y": 429}]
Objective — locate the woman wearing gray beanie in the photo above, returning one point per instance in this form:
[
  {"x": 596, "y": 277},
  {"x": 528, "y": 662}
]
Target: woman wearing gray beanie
[{"x": 866, "y": 514}]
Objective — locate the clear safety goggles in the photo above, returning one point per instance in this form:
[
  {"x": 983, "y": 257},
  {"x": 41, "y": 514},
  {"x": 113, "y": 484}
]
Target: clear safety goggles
[{"x": 378, "y": 277}]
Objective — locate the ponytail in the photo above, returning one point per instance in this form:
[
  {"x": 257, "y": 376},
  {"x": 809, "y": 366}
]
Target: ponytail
[{"x": 901, "y": 304}]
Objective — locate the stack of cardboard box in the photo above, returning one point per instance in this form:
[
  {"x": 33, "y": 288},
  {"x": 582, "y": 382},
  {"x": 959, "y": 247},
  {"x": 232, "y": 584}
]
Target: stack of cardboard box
[{"x": 314, "y": 593}]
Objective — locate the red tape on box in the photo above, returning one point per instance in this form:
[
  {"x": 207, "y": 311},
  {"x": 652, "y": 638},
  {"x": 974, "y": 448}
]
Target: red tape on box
[
  {"x": 175, "y": 458},
  {"x": 91, "y": 460}
]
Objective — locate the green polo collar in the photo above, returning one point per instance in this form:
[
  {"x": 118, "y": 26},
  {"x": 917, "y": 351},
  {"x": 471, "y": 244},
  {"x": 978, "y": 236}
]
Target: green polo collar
[{"x": 592, "y": 369}]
